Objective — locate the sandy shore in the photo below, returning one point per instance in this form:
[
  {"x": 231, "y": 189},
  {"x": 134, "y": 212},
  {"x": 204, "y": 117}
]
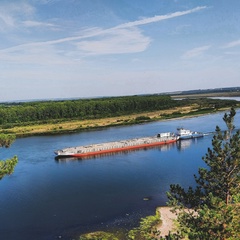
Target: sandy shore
[{"x": 167, "y": 218}]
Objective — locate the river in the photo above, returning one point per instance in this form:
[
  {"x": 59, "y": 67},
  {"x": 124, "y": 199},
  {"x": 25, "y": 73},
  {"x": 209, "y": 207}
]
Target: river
[{"x": 50, "y": 199}]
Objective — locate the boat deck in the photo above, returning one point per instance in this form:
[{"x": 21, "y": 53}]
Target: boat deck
[{"x": 116, "y": 146}]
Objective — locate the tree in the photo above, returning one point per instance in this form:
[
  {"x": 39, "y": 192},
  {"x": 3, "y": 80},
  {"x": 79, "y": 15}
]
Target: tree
[
  {"x": 147, "y": 229},
  {"x": 212, "y": 209},
  {"x": 7, "y": 166}
]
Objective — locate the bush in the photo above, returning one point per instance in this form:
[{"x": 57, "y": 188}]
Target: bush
[
  {"x": 147, "y": 229},
  {"x": 98, "y": 236},
  {"x": 142, "y": 118}
]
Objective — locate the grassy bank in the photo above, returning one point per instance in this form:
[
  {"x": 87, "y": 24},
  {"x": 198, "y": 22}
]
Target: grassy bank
[{"x": 70, "y": 126}]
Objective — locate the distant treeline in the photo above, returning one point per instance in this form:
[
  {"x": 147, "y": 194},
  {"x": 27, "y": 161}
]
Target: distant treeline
[
  {"x": 19, "y": 113},
  {"x": 204, "y": 91}
]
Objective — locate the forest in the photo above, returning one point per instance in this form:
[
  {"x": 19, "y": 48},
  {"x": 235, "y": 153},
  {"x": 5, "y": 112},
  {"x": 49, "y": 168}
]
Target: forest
[{"x": 13, "y": 114}]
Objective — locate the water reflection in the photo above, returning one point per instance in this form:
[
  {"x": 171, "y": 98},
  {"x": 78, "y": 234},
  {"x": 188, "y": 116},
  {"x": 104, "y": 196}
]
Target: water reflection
[
  {"x": 186, "y": 143},
  {"x": 183, "y": 144},
  {"x": 45, "y": 198}
]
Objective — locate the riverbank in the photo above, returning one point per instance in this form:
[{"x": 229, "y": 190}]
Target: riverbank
[
  {"x": 61, "y": 127},
  {"x": 167, "y": 221}
]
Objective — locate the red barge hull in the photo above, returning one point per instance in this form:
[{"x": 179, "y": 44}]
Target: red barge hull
[{"x": 121, "y": 149}]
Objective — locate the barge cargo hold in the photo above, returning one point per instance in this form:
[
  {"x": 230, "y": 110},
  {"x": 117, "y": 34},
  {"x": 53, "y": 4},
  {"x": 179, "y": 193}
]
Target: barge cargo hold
[{"x": 118, "y": 146}]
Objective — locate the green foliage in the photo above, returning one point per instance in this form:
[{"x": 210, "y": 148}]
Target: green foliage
[
  {"x": 172, "y": 115},
  {"x": 98, "y": 236},
  {"x": 83, "y": 109},
  {"x": 49, "y": 111},
  {"x": 7, "y": 166},
  {"x": 146, "y": 231},
  {"x": 211, "y": 210},
  {"x": 6, "y": 140},
  {"x": 142, "y": 119},
  {"x": 147, "y": 228}
]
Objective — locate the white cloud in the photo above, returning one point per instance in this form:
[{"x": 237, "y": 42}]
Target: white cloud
[
  {"x": 39, "y": 56},
  {"x": 6, "y": 19},
  {"x": 116, "y": 41},
  {"x": 159, "y": 18},
  {"x": 195, "y": 52},
  {"x": 123, "y": 38},
  {"x": 37, "y": 24},
  {"x": 232, "y": 53},
  {"x": 12, "y": 13},
  {"x": 19, "y": 15},
  {"x": 232, "y": 44},
  {"x": 17, "y": 8}
]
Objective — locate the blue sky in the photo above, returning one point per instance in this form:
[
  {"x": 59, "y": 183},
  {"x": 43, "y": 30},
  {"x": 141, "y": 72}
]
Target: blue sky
[{"x": 86, "y": 48}]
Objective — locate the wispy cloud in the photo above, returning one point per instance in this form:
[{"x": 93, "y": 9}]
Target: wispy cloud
[
  {"x": 10, "y": 12},
  {"x": 116, "y": 42},
  {"x": 37, "y": 24},
  {"x": 233, "y": 53},
  {"x": 195, "y": 52},
  {"x": 123, "y": 38},
  {"x": 6, "y": 19},
  {"x": 232, "y": 44},
  {"x": 159, "y": 18},
  {"x": 20, "y": 15}
]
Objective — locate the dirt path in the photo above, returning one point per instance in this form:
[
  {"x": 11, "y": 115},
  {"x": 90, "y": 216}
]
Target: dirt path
[{"x": 167, "y": 218}]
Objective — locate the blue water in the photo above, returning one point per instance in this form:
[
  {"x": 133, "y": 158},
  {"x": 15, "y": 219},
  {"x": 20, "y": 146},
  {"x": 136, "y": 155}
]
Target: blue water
[{"x": 45, "y": 198}]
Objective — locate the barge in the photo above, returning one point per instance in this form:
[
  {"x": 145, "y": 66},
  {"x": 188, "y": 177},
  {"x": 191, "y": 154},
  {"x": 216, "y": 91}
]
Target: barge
[
  {"x": 187, "y": 134},
  {"x": 117, "y": 146}
]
